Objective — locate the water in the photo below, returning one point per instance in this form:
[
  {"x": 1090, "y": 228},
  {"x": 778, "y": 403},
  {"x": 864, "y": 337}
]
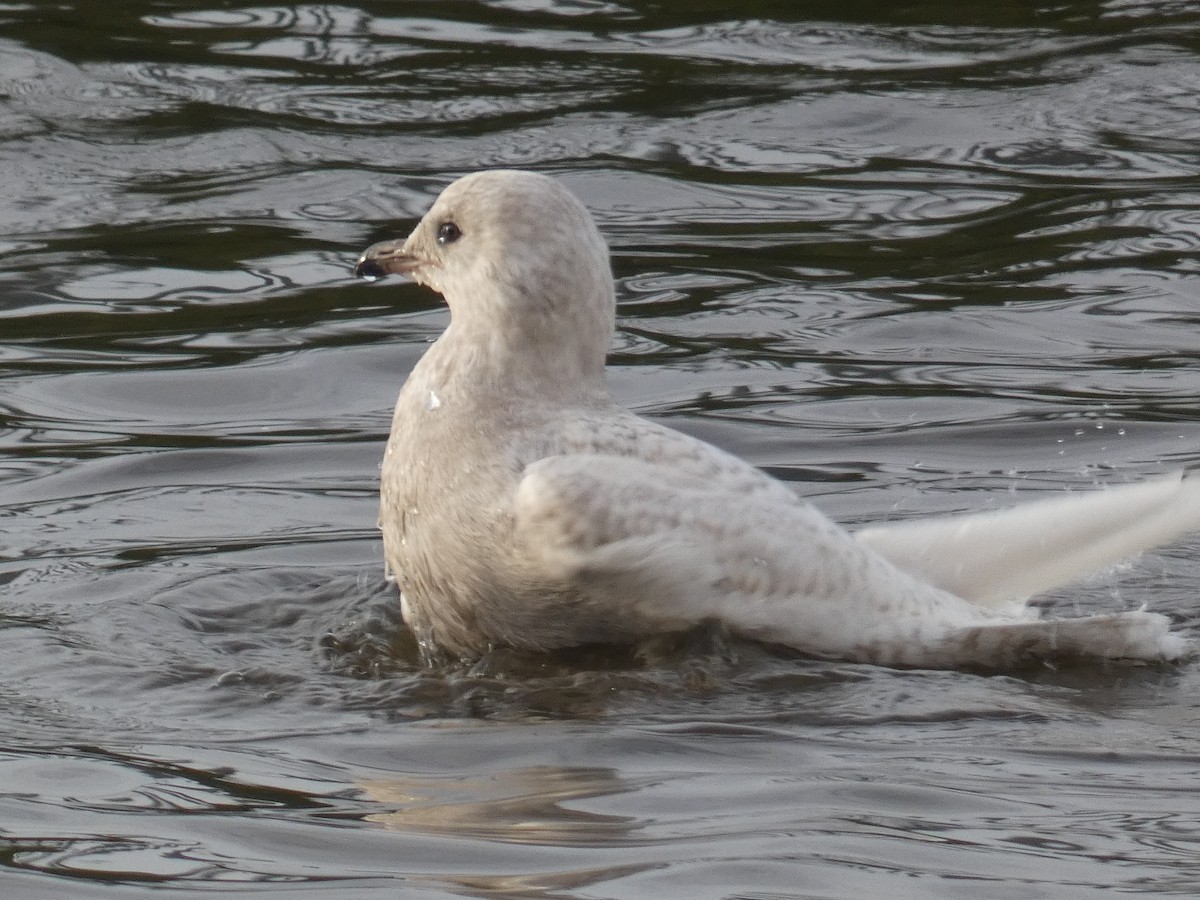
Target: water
[{"x": 912, "y": 258}]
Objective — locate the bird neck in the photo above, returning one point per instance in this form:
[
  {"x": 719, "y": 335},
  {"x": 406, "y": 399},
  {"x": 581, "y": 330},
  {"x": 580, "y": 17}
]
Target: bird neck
[{"x": 490, "y": 361}]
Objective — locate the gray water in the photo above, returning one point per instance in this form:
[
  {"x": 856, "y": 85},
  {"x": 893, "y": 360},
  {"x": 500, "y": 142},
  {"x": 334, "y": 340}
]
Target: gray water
[{"x": 912, "y": 258}]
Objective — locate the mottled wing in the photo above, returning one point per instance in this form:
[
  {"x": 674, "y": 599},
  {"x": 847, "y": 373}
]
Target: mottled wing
[{"x": 662, "y": 542}]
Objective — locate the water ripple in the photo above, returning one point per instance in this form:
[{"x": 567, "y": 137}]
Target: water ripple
[{"x": 912, "y": 260}]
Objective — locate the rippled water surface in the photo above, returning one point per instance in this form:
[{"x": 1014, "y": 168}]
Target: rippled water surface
[{"x": 912, "y": 257}]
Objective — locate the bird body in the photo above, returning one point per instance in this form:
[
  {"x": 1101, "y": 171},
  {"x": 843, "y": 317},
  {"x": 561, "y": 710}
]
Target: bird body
[{"x": 520, "y": 506}]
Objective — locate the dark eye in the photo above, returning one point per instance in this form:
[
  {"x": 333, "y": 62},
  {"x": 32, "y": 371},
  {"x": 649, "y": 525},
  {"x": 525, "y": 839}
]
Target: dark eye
[{"x": 448, "y": 233}]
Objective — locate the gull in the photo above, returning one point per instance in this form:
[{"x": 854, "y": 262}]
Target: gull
[{"x": 521, "y": 506}]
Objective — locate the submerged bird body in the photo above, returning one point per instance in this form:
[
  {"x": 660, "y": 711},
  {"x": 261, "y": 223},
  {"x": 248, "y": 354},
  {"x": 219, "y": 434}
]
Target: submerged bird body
[
  {"x": 521, "y": 506},
  {"x": 596, "y": 526}
]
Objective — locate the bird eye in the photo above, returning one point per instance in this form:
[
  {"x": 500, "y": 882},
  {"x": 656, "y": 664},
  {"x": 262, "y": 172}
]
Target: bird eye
[{"x": 448, "y": 233}]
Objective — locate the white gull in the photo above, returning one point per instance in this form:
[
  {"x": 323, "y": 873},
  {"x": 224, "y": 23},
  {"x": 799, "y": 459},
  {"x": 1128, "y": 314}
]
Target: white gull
[{"x": 520, "y": 506}]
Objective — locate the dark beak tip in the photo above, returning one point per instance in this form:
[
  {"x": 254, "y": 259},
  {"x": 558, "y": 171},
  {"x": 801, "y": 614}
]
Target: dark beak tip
[{"x": 369, "y": 269}]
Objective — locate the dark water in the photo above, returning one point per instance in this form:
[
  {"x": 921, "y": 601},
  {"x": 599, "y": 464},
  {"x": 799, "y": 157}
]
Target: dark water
[{"x": 912, "y": 257}]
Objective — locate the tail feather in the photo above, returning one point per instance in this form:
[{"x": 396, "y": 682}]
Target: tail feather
[
  {"x": 1003, "y": 557},
  {"x": 1132, "y": 636}
]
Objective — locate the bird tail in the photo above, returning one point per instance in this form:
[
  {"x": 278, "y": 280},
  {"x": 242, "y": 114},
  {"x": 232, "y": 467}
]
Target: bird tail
[
  {"x": 1001, "y": 558},
  {"x": 1131, "y": 636}
]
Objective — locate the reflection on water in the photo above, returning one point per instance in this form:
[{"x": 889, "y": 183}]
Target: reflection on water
[
  {"x": 524, "y": 806},
  {"x": 517, "y": 806},
  {"x": 912, "y": 259}
]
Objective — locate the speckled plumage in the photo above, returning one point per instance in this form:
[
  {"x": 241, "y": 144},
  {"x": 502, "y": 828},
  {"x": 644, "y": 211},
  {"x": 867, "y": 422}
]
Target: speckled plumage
[{"x": 520, "y": 506}]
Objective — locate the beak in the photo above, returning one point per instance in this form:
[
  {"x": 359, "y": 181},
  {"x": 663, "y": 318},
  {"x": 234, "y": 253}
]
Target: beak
[{"x": 385, "y": 258}]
